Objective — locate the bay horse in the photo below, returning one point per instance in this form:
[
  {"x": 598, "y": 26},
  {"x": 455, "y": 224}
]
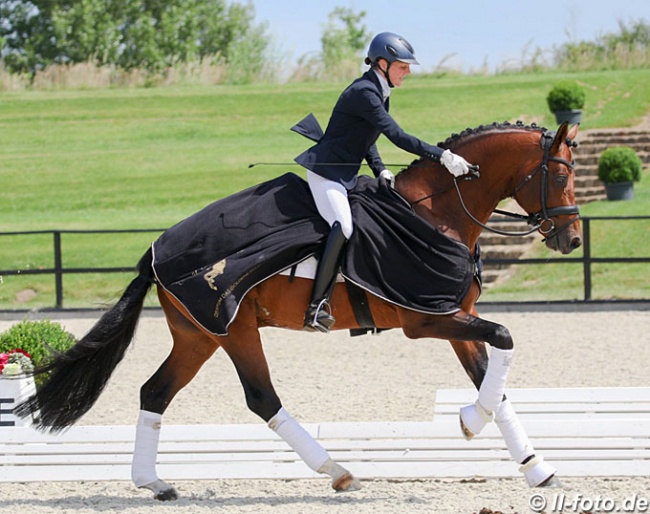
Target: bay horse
[{"x": 528, "y": 163}]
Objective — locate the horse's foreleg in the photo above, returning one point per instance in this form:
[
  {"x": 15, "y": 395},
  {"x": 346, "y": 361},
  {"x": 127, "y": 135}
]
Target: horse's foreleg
[
  {"x": 244, "y": 347},
  {"x": 473, "y": 357},
  {"x": 463, "y": 326},
  {"x": 537, "y": 472}
]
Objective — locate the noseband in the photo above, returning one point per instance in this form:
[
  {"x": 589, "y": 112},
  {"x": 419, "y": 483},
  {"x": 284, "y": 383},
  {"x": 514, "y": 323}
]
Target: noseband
[{"x": 540, "y": 220}]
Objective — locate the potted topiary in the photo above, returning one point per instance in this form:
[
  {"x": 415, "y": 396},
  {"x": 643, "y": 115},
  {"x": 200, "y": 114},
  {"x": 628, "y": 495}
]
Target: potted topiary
[
  {"x": 566, "y": 101},
  {"x": 618, "y": 168},
  {"x": 23, "y": 347}
]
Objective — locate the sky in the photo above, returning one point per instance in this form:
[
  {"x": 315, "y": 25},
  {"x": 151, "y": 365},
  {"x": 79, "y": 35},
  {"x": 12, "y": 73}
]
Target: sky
[{"x": 475, "y": 32}]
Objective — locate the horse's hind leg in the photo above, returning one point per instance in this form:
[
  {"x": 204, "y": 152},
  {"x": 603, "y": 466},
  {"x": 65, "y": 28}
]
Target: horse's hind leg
[
  {"x": 192, "y": 347},
  {"x": 244, "y": 347}
]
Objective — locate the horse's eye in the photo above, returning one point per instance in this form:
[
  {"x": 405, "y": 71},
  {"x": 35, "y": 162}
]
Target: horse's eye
[{"x": 561, "y": 180}]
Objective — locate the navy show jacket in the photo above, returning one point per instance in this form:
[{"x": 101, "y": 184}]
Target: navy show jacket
[{"x": 358, "y": 118}]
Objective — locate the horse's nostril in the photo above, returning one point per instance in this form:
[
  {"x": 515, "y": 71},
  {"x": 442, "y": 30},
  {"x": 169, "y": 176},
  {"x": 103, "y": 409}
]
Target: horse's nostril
[{"x": 576, "y": 242}]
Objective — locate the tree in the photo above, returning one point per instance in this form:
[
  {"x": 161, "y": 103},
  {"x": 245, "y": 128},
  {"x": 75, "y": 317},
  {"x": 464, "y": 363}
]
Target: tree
[
  {"x": 149, "y": 34},
  {"x": 343, "y": 42}
]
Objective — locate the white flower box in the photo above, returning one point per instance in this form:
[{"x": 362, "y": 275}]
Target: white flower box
[{"x": 12, "y": 392}]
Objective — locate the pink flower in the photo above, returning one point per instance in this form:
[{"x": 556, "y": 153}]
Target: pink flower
[{"x": 5, "y": 357}]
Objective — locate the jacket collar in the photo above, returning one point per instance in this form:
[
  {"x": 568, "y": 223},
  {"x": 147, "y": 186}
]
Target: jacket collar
[{"x": 381, "y": 81}]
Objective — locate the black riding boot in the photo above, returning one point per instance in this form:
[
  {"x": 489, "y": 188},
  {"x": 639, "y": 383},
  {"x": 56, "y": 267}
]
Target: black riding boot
[{"x": 318, "y": 318}]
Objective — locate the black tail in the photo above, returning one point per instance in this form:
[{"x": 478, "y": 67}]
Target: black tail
[{"x": 78, "y": 376}]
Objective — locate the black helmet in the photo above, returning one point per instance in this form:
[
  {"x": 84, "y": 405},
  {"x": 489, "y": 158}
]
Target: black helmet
[{"x": 391, "y": 47}]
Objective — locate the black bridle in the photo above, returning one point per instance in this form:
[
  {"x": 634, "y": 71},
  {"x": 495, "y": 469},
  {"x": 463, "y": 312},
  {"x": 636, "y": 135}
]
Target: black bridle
[{"x": 539, "y": 219}]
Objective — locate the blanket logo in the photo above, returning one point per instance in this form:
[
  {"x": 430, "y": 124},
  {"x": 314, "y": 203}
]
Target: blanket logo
[{"x": 213, "y": 273}]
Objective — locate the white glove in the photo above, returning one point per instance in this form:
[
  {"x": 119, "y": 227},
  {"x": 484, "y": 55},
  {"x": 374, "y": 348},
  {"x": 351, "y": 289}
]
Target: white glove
[
  {"x": 388, "y": 176},
  {"x": 456, "y": 165}
]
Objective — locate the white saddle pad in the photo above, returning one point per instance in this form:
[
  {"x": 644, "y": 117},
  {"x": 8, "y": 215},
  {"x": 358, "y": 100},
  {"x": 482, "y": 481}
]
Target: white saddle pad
[{"x": 307, "y": 269}]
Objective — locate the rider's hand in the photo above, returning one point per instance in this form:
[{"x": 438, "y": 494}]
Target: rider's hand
[
  {"x": 456, "y": 165},
  {"x": 388, "y": 176}
]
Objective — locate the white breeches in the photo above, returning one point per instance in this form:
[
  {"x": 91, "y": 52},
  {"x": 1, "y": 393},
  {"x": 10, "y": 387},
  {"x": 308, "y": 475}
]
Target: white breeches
[{"x": 331, "y": 200}]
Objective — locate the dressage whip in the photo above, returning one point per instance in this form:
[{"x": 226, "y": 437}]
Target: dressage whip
[{"x": 252, "y": 165}]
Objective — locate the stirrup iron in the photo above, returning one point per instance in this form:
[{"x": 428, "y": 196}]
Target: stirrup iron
[{"x": 318, "y": 317}]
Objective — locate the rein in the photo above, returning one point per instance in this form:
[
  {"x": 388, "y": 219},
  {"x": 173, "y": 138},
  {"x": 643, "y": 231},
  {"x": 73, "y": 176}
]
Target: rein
[{"x": 538, "y": 219}]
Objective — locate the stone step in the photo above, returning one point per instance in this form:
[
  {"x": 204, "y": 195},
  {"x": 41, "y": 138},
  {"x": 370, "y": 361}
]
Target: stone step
[
  {"x": 585, "y": 160},
  {"x": 507, "y": 251},
  {"x": 586, "y": 170},
  {"x": 488, "y": 238},
  {"x": 591, "y": 146},
  {"x": 592, "y": 160},
  {"x": 587, "y": 195},
  {"x": 597, "y": 148},
  {"x": 592, "y": 191},
  {"x": 620, "y": 131},
  {"x": 638, "y": 137},
  {"x": 586, "y": 181},
  {"x": 490, "y": 276}
]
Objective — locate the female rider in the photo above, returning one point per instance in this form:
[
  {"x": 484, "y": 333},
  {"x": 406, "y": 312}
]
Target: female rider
[{"x": 359, "y": 117}]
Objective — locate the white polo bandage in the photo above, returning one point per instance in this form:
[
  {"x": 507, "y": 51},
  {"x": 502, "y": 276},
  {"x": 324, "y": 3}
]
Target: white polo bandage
[
  {"x": 147, "y": 436},
  {"x": 515, "y": 437},
  {"x": 490, "y": 394},
  {"x": 314, "y": 455}
]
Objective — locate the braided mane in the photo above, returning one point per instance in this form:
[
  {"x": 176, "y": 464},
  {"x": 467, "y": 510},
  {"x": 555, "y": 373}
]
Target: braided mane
[{"x": 455, "y": 139}]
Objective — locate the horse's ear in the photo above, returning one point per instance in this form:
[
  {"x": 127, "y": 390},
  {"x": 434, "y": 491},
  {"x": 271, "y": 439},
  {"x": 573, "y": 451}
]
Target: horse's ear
[
  {"x": 560, "y": 136},
  {"x": 573, "y": 132}
]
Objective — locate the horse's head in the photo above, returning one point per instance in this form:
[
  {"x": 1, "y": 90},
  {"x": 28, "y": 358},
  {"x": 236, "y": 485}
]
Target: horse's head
[
  {"x": 531, "y": 164},
  {"x": 547, "y": 192}
]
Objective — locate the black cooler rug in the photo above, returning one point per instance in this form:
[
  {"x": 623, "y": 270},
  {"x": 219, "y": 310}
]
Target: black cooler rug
[{"x": 210, "y": 260}]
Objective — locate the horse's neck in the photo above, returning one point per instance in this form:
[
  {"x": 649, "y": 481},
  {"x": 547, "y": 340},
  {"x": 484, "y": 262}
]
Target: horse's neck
[
  {"x": 505, "y": 158},
  {"x": 440, "y": 204}
]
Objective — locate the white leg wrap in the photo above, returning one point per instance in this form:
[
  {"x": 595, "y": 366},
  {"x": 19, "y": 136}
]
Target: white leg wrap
[
  {"x": 332, "y": 469},
  {"x": 147, "y": 435},
  {"x": 517, "y": 441},
  {"x": 537, "y": 471},
  {"x": 314, "y": 455},
  {"x": 490, "y": 394},
  {"x": 493, "y": 387}
]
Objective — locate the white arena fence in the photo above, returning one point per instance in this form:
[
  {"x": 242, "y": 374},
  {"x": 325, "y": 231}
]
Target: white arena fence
[{"x": 581, "y": 431}]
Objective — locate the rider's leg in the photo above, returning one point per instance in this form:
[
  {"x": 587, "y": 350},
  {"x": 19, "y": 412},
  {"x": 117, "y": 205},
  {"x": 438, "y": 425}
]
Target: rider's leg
[{"x": 332, "y": 202}]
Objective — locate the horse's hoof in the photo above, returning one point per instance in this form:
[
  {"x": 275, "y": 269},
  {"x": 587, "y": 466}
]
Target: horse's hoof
[
  {"x": 168, "y": 495},
  {"x": 346, "y": 483},
  {"x": 552, "y": 482},
  {"x": 162, "y": 491},
  {"x": 473, "y": 418},
  {"x": 467, "y": 433}
]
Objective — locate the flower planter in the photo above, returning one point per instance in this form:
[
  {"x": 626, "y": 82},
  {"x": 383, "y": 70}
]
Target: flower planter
[
  {"x": 572, "y": 117},
  {"x": 620, "y": 191},
  {"x": 12, "y": 392}
]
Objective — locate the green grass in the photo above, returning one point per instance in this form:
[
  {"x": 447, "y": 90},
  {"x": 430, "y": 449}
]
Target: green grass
[{"x": 147, "y": 158}]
